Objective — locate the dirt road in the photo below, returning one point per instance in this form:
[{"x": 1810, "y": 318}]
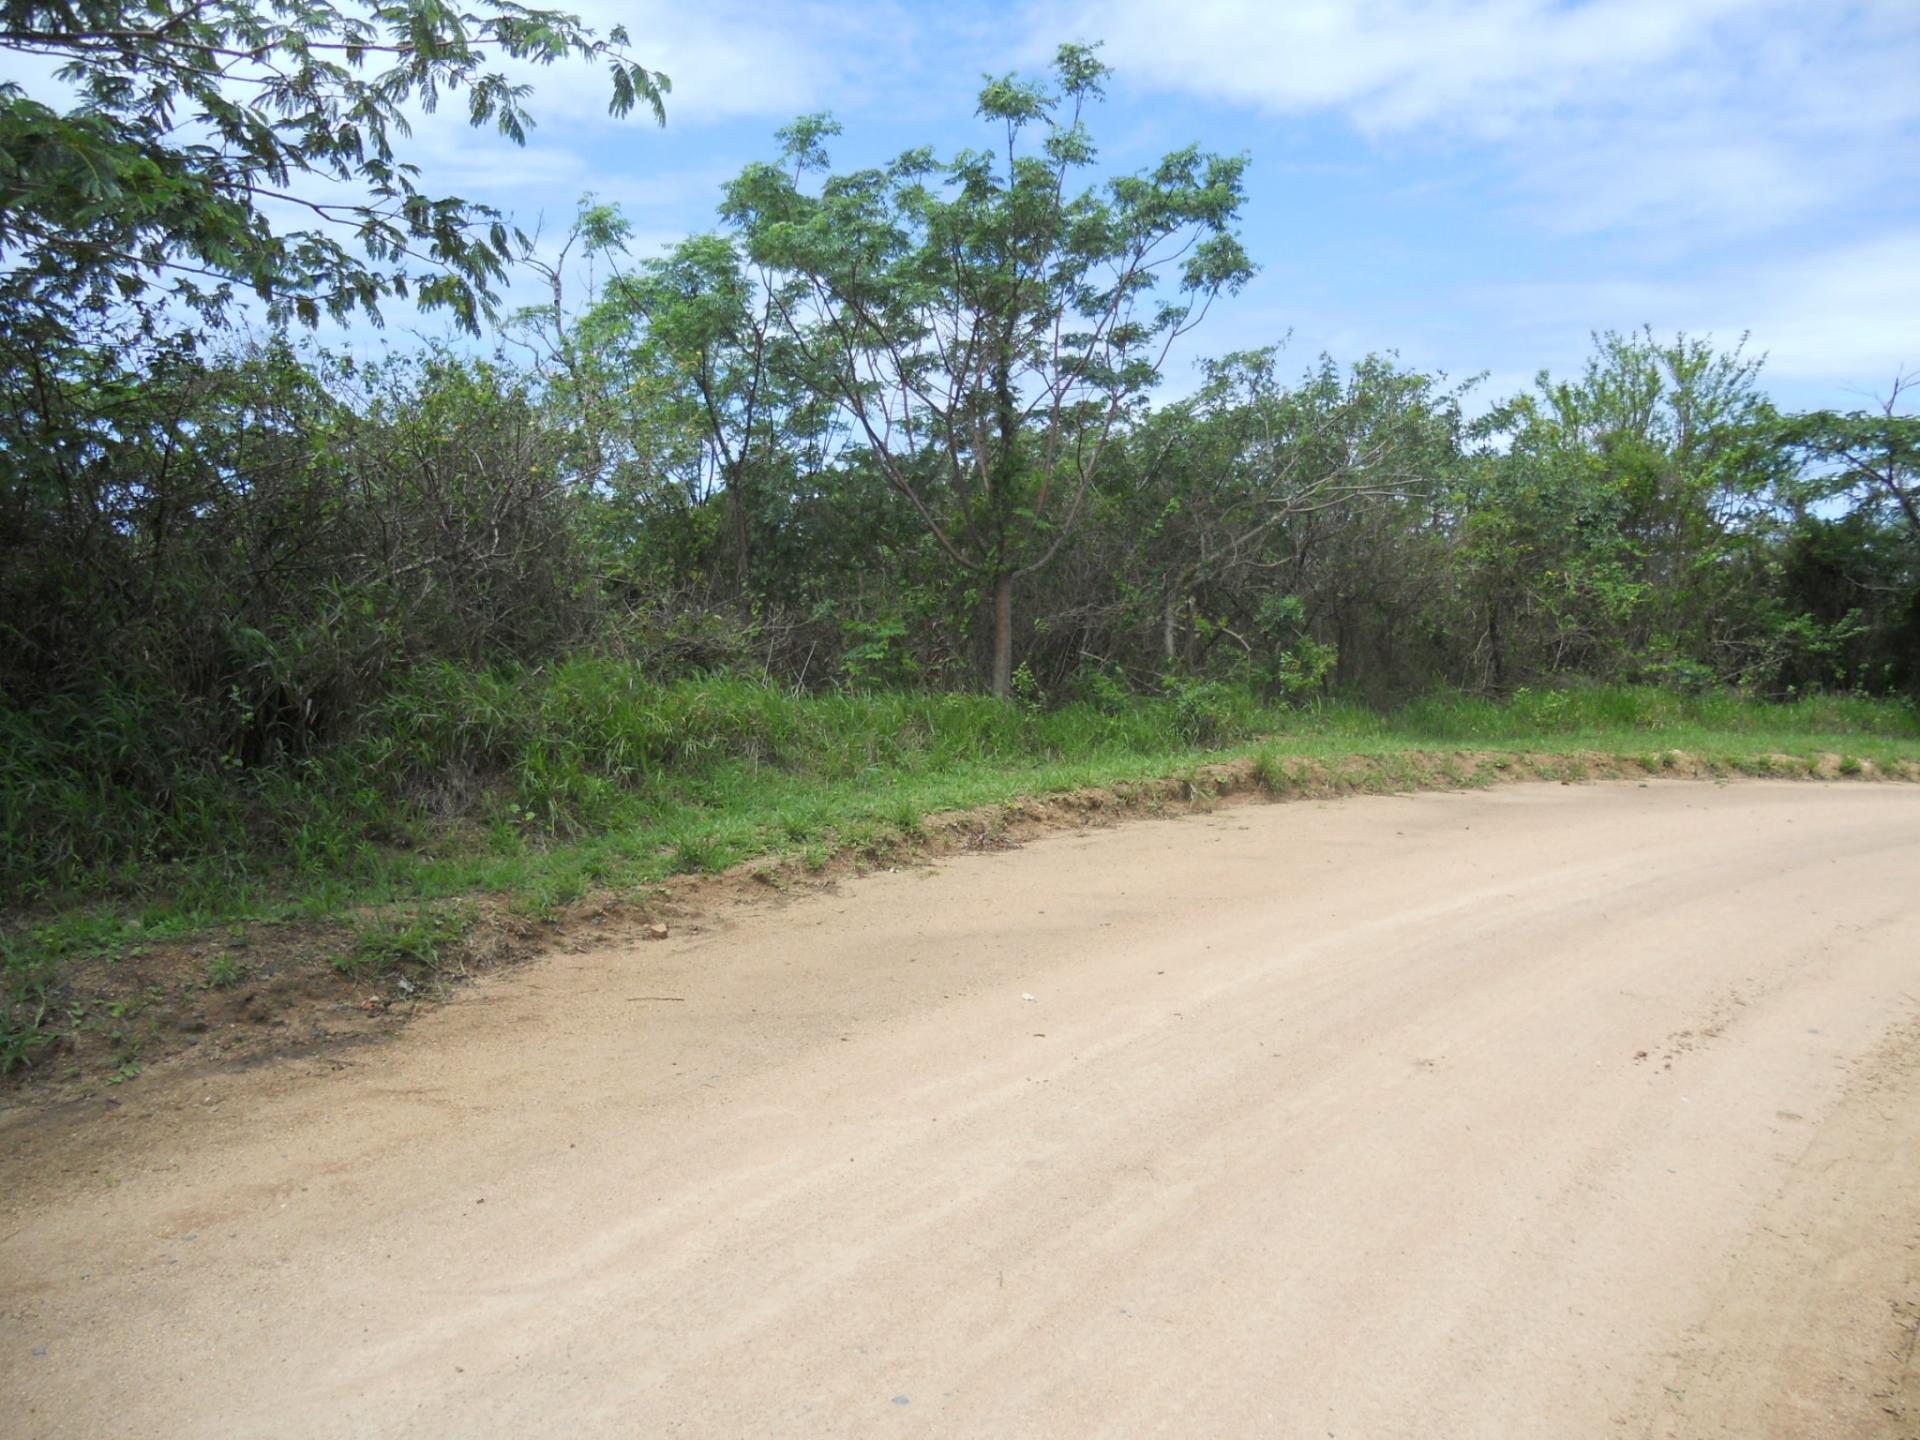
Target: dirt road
[{"x": 1548, "y": 1111}]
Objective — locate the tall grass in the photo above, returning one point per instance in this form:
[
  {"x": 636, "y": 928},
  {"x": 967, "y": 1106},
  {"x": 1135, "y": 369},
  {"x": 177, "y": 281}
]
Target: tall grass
[
  {"x": 1618, "y": 709},
  {"x": 97, "y": 796},
  {"x": 457, "y": 771}
]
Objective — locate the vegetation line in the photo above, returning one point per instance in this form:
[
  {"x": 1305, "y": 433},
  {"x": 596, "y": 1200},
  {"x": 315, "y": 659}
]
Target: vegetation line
[{"x": 575, "y": 807}]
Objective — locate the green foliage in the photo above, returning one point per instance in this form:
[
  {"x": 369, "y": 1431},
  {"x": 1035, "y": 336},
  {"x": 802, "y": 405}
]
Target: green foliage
[
  {"x": 1616, "y": 709},
  {"x": 1242, "y": 520},
  {"x": 1268, "y": 770},
  {"x": 699, "y": 854},
  {"x": 1871, "y": 458},
  {"x": 593, "y": 747},
  {"x": 1206, "y": 712},
  {"x": 28, "y": 982},
  {"x": 190, "y": 123},
  {"x": 1623, "y": 529},
  {"x": 1294, "y": 663},
  {"x": 416, "y": 940},
  {"x": 982, "y": 326},
  {"x": 876, "y": 654},
  {"x": 1025, "y": 689},
  {"x": 185, "y": 649},
  {"x": 1103, "y": 691}
]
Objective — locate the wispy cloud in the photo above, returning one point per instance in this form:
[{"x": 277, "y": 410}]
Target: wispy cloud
[
  {"x": 730, "y": 59},
  {"x": 1483, "y": 65},
  {"x": 1607, "y": 113},
  {"x": 1850, "y": 313},
  {"x": 1845, "y": 316}
]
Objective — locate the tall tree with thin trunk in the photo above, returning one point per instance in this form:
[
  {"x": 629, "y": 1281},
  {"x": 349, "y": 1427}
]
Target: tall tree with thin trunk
[{"x": 985, "y": 323}]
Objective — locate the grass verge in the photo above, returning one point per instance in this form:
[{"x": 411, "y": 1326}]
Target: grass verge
[{"x": 514, "y": 799}]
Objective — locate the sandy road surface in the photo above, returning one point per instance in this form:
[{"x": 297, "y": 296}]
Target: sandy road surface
[{"x": 1549, "y": 1111}]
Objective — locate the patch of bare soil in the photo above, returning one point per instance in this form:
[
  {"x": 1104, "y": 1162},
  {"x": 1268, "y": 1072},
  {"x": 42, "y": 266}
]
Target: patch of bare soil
[
  {"x": 1811, "y": 1331},
  {"x": 281, "y": 993}
]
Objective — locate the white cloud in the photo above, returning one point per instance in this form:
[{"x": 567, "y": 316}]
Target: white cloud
[
  {"x": 1844, "y": 318},
  {"x": 1608, "y": 113},
  {"x": 1849, "y": 314},
  {"x": 729, "y": 58},
  {"x": 1393, "y": 64}
]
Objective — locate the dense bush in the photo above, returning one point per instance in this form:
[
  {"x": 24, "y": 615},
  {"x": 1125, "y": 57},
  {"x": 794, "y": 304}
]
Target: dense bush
[{"x": 282, "y": 610}]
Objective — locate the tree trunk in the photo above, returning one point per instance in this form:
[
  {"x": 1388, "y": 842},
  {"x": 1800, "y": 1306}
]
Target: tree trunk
[
  {"x": 1497, "y": 649},
  {"x": 741, "y": 558},
  {"x": 1003, "y": 635}
]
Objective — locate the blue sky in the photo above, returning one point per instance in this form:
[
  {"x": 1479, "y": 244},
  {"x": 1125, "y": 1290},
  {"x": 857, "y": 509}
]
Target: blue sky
[{"x": 1477, "y": 184}]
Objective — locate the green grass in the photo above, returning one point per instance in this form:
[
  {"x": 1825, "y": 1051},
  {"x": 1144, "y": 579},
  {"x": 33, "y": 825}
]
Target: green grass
[
  {"x": 29, "y": 977},
  {"x": 545, "y": 786},
  {"x": 414, "y": 939}
]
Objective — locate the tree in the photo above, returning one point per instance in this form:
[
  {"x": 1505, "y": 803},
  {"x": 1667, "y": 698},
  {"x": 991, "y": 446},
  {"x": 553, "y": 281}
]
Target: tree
[
  {"x": 1237, "y": 473},
  {"x": 1872, "y": 456},
  {"x": 718, "y": 328},
  {"x": 1612, "y": 530},
  {"x": 1852, "y": 579},
  {"x": 985, "y": 327},
  {"x": 132, "y": 214},
  {"x": 192, "y": 123},
  {"x": 689, "y": 340}
]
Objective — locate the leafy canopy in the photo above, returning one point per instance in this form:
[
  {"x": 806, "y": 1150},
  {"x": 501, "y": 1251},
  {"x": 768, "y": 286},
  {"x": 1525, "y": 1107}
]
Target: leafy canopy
[
  {"x": 202, "y": 145},
  {"x": 1871, "y": 456},
  {"x": 985, "y": 321}
]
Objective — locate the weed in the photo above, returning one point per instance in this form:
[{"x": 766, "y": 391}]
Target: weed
[
  {"x": 1197, "y": 790},
  {"x": 223, "y": 973},
  {"x": 485, "y": 768},
  {"x": 869, "y": 838},
  {"x": 390, "y": 942},
  {"x": 1269, "y": 771},
  {"x": 535, "y": 905},
  {"x": 699, "y": 855},
  {"x": 28, "y": 1015}
]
